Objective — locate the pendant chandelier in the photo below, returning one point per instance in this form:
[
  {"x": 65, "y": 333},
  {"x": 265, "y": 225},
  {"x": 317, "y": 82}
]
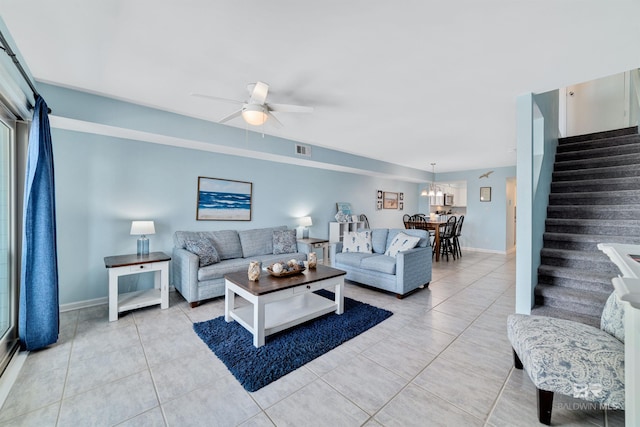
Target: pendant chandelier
[{"x": 434, "y": 190}]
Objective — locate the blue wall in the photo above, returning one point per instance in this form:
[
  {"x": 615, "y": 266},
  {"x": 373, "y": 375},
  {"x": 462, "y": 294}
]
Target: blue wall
[
  {"x": 538, "y": 134},
  {"x": 105, "y": 180},
  {"x": 485, "y": 222}
]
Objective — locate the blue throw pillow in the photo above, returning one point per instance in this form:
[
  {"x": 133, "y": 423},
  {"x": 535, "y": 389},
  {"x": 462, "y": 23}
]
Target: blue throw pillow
[
  {"x": 284, "y": 242},
  {"x": 204, "y": 249}
]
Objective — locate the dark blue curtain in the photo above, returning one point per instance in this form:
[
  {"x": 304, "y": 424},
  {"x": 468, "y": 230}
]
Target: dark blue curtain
[{"x": 39, "y": 321}]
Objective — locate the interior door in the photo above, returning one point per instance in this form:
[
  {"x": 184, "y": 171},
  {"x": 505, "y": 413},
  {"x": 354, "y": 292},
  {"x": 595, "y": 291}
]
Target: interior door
[{"x": 597, "y": 105}]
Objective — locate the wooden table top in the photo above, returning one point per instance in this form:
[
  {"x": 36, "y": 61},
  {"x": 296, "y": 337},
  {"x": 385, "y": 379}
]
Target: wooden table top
[
  {"x": 268, "y": 283},
  {"x": 133, "y": 259},
  {"x": 313, "y": 240}
]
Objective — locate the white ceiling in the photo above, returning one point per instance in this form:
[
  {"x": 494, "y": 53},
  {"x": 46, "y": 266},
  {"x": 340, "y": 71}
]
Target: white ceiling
[{"x": 409, "y": 82}]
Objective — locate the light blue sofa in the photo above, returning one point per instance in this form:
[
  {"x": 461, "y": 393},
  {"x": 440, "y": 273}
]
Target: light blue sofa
[
  {"x": 235, "y": 249},
  {"x": 408, "y": 271}
]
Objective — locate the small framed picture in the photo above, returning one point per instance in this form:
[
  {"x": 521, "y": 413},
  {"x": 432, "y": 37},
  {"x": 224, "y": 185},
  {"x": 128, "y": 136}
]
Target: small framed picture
[
  {"x": 379, "y": 194},
  {"x": 485, "y": 194},
  {"x": 401, "y": 205},
  {"x": 379, "y": 204},
  {"x": 390, "y": 200},
  {"x": 401, "y": 196}
]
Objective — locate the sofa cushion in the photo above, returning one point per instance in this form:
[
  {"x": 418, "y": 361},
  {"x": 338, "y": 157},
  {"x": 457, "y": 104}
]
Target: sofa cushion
[
  {"x": 380, "y": 263},
  {"x": 217, "y": 271},
  {"x": 257, "y": 241},
  {"x": 422, "y": 234},
  {"x": 351, "y": 259},
  {"x": 284, "y": 242},
  {"x": 379, "y": 240},
  {"x": 357, "y": 241},
  {"x": 227, "y": 242},
  {"x": 205, "y": 250},
  {"x": 402, "y": 242}
]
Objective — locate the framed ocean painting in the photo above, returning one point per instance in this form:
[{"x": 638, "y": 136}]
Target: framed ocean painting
[{"x": 223, "y": 200}]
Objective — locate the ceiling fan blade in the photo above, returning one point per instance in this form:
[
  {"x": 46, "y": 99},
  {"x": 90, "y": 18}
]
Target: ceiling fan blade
[
  {"x": 272, "y": 119},
  {"x": 217, "y": 98},
  {"x": 288, "y": 108},
  {"x": 230, "y": 116},
  {"x": 259, "y": 93}
]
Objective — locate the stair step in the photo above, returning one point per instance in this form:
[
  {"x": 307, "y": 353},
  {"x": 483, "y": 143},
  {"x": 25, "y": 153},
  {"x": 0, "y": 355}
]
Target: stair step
[
  {"x": 587, "y": 242},
  {"x": 576, "y": 300},
  {"x": 596, "y": 227},
  {"x": 583, "y": 260},
  {"x": 604, "y": 212},
  {"x": 605, "y": 184},
  {"x": 599, "y": 135},
  {"x": 575, "y": 278},
  {"x": 622, "y": 197},
  {"x": 612, "y": 143},
  {"x": 602, "y": 148},
  {"x": 621, "y": 160},
  {"x": 560, "y": 313},
  {"x": 597, "y": 173}
]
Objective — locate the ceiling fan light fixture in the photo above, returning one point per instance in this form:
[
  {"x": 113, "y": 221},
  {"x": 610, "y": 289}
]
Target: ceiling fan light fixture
[{"x": 254, "y": 114}]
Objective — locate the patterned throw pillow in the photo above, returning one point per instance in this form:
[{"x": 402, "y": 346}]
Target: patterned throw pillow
[
  {"x": 357, "y": 241},
  {"x": 401, "y": 243},
  {"x": 284, "y": 242},
  {"x": 204, "y": 249}
]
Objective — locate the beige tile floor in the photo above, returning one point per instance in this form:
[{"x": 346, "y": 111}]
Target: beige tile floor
[{"x": 442, "y": 359}]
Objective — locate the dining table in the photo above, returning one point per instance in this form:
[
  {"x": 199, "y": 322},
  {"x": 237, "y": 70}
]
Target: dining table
[{"x": 428, "y": 225}]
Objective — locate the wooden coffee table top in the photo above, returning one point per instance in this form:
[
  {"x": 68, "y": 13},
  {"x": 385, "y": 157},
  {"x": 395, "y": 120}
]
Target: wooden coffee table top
[{"x": 268, "y": 283}]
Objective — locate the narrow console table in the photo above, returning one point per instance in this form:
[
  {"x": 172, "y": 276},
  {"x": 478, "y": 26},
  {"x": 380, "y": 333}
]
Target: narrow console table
[{"x": 122, "y": 265}]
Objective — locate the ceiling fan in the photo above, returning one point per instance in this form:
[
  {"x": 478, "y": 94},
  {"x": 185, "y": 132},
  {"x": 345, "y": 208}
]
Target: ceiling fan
[{"x": 256, "y": 110}]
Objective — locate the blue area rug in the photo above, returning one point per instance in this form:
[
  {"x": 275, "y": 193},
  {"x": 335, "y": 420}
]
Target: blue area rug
[{"x": 285, "y": 351}]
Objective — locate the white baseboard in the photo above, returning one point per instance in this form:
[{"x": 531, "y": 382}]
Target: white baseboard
[
  {"x": 91, "y": 303},
  {"x": 488, "y": 251}
]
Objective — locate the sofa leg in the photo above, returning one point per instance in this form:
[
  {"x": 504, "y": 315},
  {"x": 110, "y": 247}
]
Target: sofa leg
[
  {"x": 545, "y": 403},
  {"x": 517, "y": 363},
  {"x": 399, "y": 296},
  {"x": 194, "y": 304}
]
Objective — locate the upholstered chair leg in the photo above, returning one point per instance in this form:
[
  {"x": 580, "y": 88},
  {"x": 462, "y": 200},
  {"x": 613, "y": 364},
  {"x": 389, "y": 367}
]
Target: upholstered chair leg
[
  {"x": 545, "y": 403},
  {"x": 517, "y": 363}
]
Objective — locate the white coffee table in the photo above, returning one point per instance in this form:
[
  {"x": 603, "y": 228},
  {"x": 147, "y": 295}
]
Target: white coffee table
[{"x": 278, "y": 303}]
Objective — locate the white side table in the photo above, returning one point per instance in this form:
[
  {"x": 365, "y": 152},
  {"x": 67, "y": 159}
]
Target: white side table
[
  {"x": 122, "y": 265},
  {"x": 319, "y": 243}
]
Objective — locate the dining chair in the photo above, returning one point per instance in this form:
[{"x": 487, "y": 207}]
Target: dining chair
[
  {"x": 456, "y": 235},
  {"x": 446, "y": 238},
  {"x": 405, "y": 219},
  {"x": 365, "y": 221}
]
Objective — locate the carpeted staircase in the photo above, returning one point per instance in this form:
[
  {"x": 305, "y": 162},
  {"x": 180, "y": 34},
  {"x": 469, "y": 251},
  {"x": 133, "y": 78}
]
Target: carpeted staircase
[{"x": 595, "y": 197}]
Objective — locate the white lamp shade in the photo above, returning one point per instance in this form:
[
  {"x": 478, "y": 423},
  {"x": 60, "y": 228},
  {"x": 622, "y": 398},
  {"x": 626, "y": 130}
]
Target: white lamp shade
[
  {"x": 254, "y": 114},
  {"x": 142, "y": 228},
  {"x": 424, "y": 192},
  {"x": 305, "y": 221}
]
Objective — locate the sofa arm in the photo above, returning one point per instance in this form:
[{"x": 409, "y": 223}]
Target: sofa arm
[
  {"x": 334, "y": 248},
  {"x": 184, "y": 273},
  {"x": 413, "y": 268}
]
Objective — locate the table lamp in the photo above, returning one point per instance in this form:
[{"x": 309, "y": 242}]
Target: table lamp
[
  {"x": 142, "y": 228},
  {"x": 305, "y": 222}
]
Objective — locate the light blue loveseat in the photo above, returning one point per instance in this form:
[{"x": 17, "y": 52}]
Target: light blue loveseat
[
  {"x": 402, "y": 274},
  {"x": 235, "y": 250}
]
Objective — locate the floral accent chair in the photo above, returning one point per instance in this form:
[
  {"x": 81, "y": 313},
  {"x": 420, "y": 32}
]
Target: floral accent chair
[{"x": 571, "y": 358}]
